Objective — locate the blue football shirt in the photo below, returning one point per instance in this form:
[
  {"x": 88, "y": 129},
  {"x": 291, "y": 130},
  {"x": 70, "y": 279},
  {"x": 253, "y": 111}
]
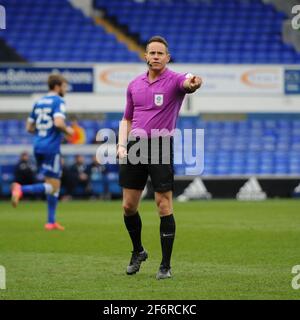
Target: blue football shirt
[{"x": 47, "y": 137}]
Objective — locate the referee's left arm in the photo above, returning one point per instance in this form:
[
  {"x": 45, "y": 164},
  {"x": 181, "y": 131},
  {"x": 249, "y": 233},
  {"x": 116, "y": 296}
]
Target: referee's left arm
[{"x": 125, "y": 125}]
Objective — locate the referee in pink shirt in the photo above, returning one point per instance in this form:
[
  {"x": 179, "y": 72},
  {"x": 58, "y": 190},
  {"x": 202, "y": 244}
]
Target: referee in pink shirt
[{"x": 153, "y": 102}]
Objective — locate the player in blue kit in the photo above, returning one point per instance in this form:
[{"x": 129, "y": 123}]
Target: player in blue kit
[{"x": 47, "y": 123}]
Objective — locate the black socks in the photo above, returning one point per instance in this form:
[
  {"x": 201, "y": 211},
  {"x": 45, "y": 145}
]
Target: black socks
[
  {"x": 167, "y": 235},
  {"x": 134, "y": 227}
]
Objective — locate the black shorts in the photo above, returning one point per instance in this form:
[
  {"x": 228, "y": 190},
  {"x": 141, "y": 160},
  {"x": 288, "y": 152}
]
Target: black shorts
[{"x": 135, "y": 176}]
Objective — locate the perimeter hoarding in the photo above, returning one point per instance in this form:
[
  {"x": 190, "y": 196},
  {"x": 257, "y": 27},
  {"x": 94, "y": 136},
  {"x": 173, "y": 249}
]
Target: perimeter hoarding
[
  {"x": 218, "y": 79},
  {"x": 28, "y": 80}
]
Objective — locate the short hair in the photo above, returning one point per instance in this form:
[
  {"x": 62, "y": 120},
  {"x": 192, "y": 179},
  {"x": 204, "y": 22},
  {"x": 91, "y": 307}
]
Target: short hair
[
  {"x": 158, "y": 39},
  {"x": 56, "y": 80}
]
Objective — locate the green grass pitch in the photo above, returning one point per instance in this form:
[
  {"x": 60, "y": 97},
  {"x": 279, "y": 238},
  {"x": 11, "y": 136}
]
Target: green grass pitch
[{"x": 222, "y": 250}]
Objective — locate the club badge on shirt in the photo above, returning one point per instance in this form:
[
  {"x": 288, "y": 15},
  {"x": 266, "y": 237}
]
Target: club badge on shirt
[{"x": 158, "y": 100}]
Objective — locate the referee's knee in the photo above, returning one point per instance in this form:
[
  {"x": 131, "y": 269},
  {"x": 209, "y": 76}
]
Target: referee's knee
[
  {"x": 164, "y": 206},
  {"x": 129, "y": 209},
  {"x": 164, "y": 210}
]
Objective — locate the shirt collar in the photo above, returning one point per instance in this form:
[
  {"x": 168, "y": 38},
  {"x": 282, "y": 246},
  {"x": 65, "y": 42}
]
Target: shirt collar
[
  {"x": 52, "y": 93},
  {"x": 161, "y": 76}
]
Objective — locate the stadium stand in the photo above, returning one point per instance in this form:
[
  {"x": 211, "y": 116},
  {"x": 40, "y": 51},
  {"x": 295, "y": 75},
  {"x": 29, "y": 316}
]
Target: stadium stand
[
  {"x": 257, "y": 145},
  {"x": 239, "y": 31},
  {"x": 41, "y": 30},
  {"x": 214, "y": 31}
]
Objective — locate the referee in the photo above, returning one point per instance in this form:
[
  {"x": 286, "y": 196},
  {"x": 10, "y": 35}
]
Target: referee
[{"x": 153, "y": 102}]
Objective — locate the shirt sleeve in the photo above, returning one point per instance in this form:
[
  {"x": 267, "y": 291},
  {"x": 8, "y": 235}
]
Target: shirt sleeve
[
  {"x": 60, "y": 109},
  {"x": 128, "y": 114},
  {"x": 180, "y": 80}
]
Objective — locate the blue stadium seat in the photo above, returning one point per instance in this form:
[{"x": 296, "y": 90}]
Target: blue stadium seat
[
  {"x": 66, "y": 25},
  {"x": 7, "y": 177},
  {"x": 98, "y": 187}
]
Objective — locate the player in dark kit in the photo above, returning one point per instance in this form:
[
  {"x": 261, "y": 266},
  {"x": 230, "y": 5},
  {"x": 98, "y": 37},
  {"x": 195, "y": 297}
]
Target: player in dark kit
[
  {"x": 47, "y": 123},
  {"x": 153, "y": 102}
]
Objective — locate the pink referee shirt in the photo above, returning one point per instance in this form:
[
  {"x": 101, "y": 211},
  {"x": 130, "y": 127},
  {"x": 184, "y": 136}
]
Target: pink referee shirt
[{"x": 154, "y": 105}]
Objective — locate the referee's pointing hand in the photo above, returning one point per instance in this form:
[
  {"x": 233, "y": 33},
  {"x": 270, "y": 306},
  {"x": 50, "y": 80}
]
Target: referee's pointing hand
[{"x": 195, "y": 83}]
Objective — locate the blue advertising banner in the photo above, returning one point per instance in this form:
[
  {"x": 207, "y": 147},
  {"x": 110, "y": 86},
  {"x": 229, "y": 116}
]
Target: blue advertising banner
[
  {"x": 28, "y": 80},
  {"x": 292, "y": 81}
]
